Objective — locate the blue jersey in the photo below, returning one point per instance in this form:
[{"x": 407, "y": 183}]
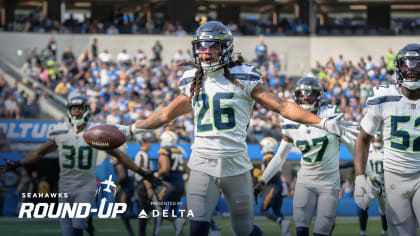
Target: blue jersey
[
  {"x": 276, "y": 178},
  {"x": 176, "y": 167}
]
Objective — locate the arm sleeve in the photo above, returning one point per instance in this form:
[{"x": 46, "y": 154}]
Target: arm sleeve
[
  {"x": 276, "y": 164},
  {"x": 372, "y": 120}
]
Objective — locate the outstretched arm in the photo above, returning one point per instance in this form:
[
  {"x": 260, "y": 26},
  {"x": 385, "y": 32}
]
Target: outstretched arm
[
  {"x": 294, "y": 112},
  {"x": 123, "y": 159},
  {"x": 287, "y": 109},
  {"x": 36, "y": 155},
  {"x": 361, "y": 152},
  {"x": 180, "y": 106},
  {"x": 276, "y": 164}
]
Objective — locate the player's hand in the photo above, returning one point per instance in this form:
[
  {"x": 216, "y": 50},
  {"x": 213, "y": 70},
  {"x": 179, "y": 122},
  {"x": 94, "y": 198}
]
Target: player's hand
[
  {"x": 333, "y": 125},
  {"x": 363, "y": 193},
  {"x": 350, "y": 134},
  {"x": 124, "y": 129},
  {"x": 150, "y": 176},
  {"x": 258, "y": 188},
  {"x": 9, "y": 165}
]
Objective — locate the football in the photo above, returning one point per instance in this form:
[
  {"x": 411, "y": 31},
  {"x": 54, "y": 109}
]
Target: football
[{"x": 104, "y": 137}]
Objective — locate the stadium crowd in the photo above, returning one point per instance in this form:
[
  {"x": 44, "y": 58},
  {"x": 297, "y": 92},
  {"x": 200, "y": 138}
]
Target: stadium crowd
[
  {"x": 129, "y": 86},
  {"x": 15, "y": 104},
  {"x": 137, "y": 23}
]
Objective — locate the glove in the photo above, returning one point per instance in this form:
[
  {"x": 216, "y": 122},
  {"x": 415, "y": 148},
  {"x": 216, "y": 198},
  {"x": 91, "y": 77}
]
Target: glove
[
  {"x": 364, "y": 193},
  {"x": 258, "y": 188},
  {"x": 124, "y": 129},
  {"x": 9, "y": 165},
  {"x": 333, "y": 125},
  {"x": 150, "y": 176}
]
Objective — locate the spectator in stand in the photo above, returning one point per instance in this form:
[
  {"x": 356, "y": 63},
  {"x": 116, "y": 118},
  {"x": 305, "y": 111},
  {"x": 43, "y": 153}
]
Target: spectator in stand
[
  {"x": 112, "y": 30},
  {"x": 300, "y": 27},
  {"x": 12, "y": 108},
  {"x": 124, "y": 58},
  {"x": 31, "y": 107},
  {"x": 94, "y": 48},
  {"x": 67, "y": 57},
  {"x": 390, "y": 58},
  {"x": 52, "y": 46},
  {"x": 105, "y": 56},
  {"x": 261, "y": 52},
  {"x": 141, "y": 58}
]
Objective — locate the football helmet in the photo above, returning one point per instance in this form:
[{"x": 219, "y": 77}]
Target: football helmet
[
  {"x": 168, "y": 138},
  {"x": 268, "y": 144},
  {"x": 308, "y": 93},
  {"x": 212, "y": 37},
  {"x": 79, "y": 101},
  {"x": 407, "y": 67}
]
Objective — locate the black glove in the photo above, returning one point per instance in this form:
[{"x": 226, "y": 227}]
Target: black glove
[
  {"x": 258, "y": 188},
  {"x": 149, "y": 175},
  {"x": 9, "y": 165}
]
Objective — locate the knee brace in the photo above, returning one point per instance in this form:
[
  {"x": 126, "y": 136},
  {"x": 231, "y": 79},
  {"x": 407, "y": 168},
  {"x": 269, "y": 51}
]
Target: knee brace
[
  {"x": 302, "y": 231},
  {"x": 198, "y": 228}
]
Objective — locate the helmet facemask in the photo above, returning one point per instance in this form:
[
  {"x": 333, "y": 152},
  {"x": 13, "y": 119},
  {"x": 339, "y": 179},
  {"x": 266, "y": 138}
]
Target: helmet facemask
[
  {"x": 409, "y": 72},
  {"x": 212, "y": 38},
  {"x": 308, "y": 99},
  {"x": 75, "y": 120}
]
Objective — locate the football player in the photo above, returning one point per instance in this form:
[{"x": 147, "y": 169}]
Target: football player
[
  {"x": 221, "y": 93},
  {"x": 171, "y": 169},
  {"x": 395, "y": 108},
  {"x": 318, "y": 181},
  {"x": 77, "y": 161},
  {"x": 273, "y": 193},
  {"x": 375, "y": 161}
]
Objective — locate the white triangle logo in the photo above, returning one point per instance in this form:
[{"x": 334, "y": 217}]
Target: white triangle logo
[{"x": 143, "y": 215}]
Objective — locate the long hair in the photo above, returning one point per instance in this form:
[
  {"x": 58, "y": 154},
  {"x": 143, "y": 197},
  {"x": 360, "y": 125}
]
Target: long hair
[{"x": 198, "y": 77}]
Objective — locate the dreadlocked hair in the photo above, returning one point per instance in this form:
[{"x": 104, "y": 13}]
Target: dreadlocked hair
[{"x": 198, "y": 77}]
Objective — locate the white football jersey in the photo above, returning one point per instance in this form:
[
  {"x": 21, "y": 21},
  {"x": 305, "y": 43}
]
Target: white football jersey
[
  {"x": 77, "y": 160},
  {"x": 400, "y": 118},
  {"x": 222, "y": 112},
  {"x": 375, "y": 161},
  {"x": 319, "y": 164}
]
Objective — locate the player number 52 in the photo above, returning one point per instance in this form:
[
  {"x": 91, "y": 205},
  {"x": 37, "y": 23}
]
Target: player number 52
[{"x": 404, "y": 135}]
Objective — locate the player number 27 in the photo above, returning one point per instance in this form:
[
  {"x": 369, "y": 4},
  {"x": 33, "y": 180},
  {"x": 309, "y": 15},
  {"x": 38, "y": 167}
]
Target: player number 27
[
  {"x": 84, "y": 157},
  {"x": 305, "y": 148},
  {"x": 223, "y": 117},
  {"x": 404, "y": 135}
]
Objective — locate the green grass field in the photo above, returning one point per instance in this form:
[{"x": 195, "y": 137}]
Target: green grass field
[{"x": 345, "y": 226}]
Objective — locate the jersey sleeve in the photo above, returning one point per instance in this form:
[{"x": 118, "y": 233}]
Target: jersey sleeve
[
  {"x": 185, "y": 82},
  {"x": 372, "y": 120},
  {"x": 249, "y": 76},
  {"x": 56, "y": 130},
  {"x": 288, "y": 128}
]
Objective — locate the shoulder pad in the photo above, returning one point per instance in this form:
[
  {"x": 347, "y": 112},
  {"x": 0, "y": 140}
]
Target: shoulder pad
[
  {"x": 163, "y": 151},
  {"x": 383, "y": 94},
  {"x": 58, "y": 129},
  {"x": 187, "y": 77},
  {"x": 245, "y": 72},
  {"x": 288, "y": 124},
  {"x": 175, "y": 150}
]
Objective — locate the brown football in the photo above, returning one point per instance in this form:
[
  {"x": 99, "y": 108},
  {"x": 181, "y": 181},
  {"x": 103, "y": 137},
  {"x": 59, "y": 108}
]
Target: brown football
[{"x": 104, "y": 137}]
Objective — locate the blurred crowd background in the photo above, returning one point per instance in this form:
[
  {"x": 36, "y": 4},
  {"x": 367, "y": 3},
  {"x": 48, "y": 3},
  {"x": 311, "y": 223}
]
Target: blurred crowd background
[{"x": 129, "y": 86}]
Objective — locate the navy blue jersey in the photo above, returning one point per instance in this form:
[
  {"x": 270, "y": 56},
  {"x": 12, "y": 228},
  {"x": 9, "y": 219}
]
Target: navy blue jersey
[
  {"x": 267, "y": 158},
  {"x": 176, "y": 164}
]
